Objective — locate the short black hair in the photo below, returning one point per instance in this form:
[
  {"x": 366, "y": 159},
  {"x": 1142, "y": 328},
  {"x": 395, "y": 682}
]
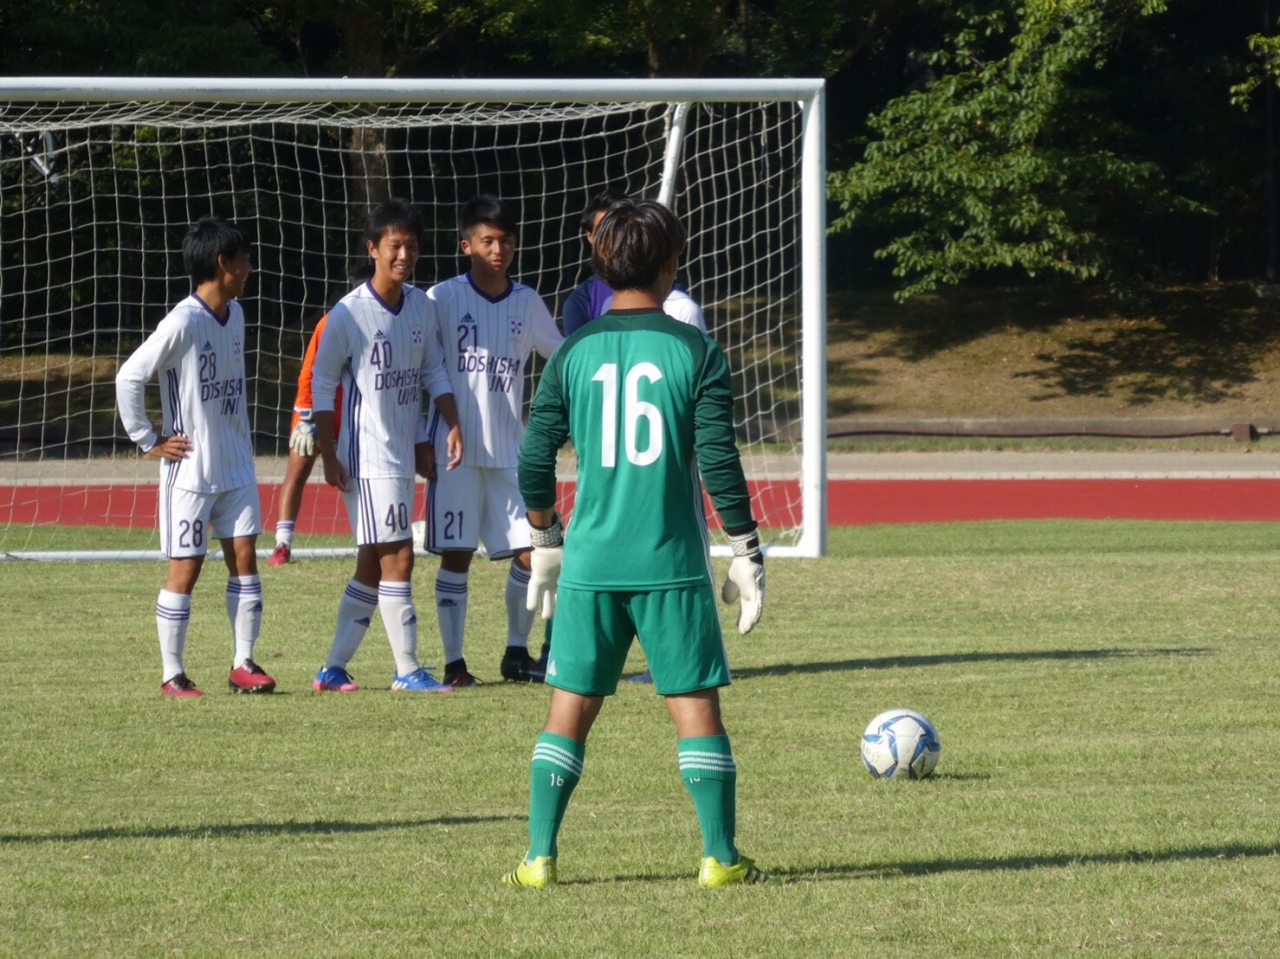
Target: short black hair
[
  {"x": 209, "y": 238},
  {"x": 599, "y": 203},
  {"x": 394, "y": 214},
  {"x": 634, "y": 240},
  {"x": 486, "y": 208}
]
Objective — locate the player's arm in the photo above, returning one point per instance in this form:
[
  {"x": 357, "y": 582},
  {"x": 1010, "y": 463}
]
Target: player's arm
[
  {"x": 721, "y": 467},
  {"x": 576, "y": 311},
  {"x": 303, "y": 438},
  {"x": 131, "y": 386},
  {"x": 546, "y": 338},
  {"x": 547, "y": 431},
  {"x": 436, "y": 383},
  {"x": 331, "y": 355}
]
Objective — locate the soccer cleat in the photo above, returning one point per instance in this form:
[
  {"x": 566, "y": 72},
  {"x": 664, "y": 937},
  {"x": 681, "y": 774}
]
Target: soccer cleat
[
  {"x": 280, "y": 556},
  {"x": 419, "y": 681},
  {"x": 458, "y": 676},
  {"x": 645, "y": 677},
  {"x": 519, "y": 667},
  {"x": 334, "y": 679},
  {"x": 743, "y": 872},
  {"x": 539, "y": 874},
  {"x": 249, "y": 677},
  {"x": 180, "y": 686}
]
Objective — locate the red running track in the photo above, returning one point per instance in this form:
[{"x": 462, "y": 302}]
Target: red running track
[{"x": 851, "y": 502}]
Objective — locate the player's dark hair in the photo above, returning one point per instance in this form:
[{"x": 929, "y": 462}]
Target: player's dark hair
[
  {"x": 394, "y": 214},
  {"x": 599, "y": 203},
  {"x": 486, "y": 208},
  {"x": 207, "y": 239},
  {"x": 634, "y": 240}
]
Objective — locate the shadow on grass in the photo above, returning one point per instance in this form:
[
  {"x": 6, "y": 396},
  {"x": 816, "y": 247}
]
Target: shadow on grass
[
  {"x": 254, "y": 829},
  {"x": 1143, "y": 857},
  {"x": 947, "y": 659},
  {"x": 994, "y": 864}
]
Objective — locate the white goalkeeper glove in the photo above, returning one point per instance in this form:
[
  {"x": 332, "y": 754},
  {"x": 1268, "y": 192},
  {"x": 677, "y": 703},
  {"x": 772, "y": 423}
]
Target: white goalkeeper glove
[
  {"x": 303, "y": 440},
  {"x": 746, "y": 579},
  {"x": 544, "y": 567}
]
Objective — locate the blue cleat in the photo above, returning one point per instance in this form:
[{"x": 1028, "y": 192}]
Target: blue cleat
[
  {"x": 334, "y": 679},
  {"x": 419, "y": 681}
]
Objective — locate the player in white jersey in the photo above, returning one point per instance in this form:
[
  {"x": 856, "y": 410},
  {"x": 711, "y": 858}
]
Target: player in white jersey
[
  {"x": 207, "y": 482},
  {"x": 378, "y": 345},
  {"x": 487, "y": 326}
]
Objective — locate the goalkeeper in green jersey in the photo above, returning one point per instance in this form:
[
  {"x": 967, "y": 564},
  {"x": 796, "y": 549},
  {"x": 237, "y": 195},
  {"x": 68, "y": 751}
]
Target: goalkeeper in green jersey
[{"x": 649, "y": 403}]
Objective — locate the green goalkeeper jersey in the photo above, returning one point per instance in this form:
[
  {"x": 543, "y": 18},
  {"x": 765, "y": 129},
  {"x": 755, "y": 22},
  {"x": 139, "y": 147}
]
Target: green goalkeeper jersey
[{"x": 649, "y": 402}]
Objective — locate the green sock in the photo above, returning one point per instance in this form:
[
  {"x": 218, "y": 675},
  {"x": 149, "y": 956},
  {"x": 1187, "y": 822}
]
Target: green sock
[
  {"x": 706, "y": 766},
  {"x": 555, "y": 770}
]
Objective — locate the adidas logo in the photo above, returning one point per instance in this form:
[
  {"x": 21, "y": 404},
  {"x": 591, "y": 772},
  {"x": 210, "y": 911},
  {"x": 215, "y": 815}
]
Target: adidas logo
[
  {"x": 255, "y": 608},
  {"x": 413, "y": 621},
  {"x": 551, "y": 668},
  {"x": 363, "y": 621},
  {"x": 379, "y": 335},
  {"x": 445, "y": 604},
  {"x": 207, "y": 348},
  {"x": 466, "y": 318}
]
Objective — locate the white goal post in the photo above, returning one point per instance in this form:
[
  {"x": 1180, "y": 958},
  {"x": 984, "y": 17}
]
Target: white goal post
[{"x": 99, "y": 178}]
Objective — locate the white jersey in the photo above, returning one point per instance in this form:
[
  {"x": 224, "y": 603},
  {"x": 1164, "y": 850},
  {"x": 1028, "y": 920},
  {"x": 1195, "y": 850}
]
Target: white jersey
[
  {"x": 385, "y": 360},
  {"x": 486, "y": 345},
  {"x": 678, "y": 305},
  {"x": 200, "y": 361}
]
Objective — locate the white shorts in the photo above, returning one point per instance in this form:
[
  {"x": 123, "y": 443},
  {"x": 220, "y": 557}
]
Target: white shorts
[
  {"x": 381, "y": 510},
  {"x": 474, "y": 504},
  {"x": 188, "y": 520}
]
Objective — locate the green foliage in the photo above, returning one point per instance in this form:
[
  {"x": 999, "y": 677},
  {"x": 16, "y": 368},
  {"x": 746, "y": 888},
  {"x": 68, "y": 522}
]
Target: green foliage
[{"x": 1004, "y": 158}]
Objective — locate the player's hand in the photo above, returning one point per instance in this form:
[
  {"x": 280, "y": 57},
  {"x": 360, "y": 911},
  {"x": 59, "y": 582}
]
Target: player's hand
[
  {"x": 424, "y": 460},
  {"x": 303, "y": 439},
  {"x": 745, "y": 581},
  {"x": 172, "y": 448},
  {"x": 544, "y": 568},
  {"x": 454, "y": 445},
  {"x": 336, "y": 475}
]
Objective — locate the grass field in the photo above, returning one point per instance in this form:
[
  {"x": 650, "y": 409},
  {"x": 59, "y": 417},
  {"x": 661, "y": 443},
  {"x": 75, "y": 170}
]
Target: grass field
[{"x": 1107, "y": 695}]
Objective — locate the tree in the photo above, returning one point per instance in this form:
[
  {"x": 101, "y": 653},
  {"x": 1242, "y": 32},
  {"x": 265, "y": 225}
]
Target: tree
[{"x": 1005, "y": 156}]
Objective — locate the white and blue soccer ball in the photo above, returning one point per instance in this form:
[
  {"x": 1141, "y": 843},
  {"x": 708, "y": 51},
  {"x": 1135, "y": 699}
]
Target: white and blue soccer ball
[{"x": 901, "y": 743}]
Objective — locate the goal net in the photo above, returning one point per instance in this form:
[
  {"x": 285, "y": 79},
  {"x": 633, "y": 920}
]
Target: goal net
[{"x": 99, "y": 179}]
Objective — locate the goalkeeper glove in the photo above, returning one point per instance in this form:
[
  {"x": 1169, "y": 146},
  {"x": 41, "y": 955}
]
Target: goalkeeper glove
[
  {"x": 544, "y": 567},
  {"x": 303, "y": 440},
  {"x": 746, "y": 579}
]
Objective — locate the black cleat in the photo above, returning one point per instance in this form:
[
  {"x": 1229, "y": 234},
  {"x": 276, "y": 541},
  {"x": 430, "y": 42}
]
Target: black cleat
[
  {"x": 457, "y": 675},
  {"x": 519, "y": 667}
]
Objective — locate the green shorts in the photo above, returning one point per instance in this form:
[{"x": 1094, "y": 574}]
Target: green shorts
[{"x": 678, "y": 629}]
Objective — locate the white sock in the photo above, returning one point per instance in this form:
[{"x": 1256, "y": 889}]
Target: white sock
[
  {"x": 519, "y": 617},
  {"x": 173, "y": 613},
  {"x": 284, "y": 533},
  {"x": 354, "y": 613},
  {"x": 451, "y": 611},
  {"x": 244, "y": 609},
  {"x": 400, "y": 619}
]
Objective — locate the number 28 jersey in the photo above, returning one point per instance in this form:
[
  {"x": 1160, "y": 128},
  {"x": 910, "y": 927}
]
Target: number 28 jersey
[
  {"x": 649, "y": 402},
  {"x": 199, "y": 357}
]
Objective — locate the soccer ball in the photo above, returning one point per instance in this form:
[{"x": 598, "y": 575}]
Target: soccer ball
[{"x": 901, "y": 741}]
